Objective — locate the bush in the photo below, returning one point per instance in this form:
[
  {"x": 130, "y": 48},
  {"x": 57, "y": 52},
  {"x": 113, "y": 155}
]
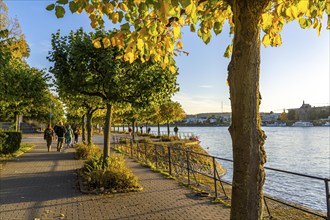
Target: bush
[
  {"x": 116, "y": 176},
  {"x": 10, "y": 141},
  {"x": 84, "y": 151}
]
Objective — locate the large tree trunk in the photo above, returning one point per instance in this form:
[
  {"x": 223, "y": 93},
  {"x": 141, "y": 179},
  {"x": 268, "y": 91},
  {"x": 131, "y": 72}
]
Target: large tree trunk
[
  {"x": 107, "y": 133},
  {"x": 247, "y": 137},
  {"x": 89, "y": 127},
  {"x": 17, "y": 122}
]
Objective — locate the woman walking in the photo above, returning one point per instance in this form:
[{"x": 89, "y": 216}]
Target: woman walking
[
  {"x": 68, "y": 136},
  {"x": 49, "y": 136}
]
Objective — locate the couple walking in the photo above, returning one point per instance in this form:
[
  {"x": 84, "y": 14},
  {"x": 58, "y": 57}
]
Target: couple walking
[{"x": 63, "y": 134}]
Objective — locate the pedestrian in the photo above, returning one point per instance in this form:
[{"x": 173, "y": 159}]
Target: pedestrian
[
  {"x": 148, "y": 131},
  {"x": 49, "y": 136},
  {"x": 55, "y": 128},
  {"x": 68, "y": 136},
  {"x": 60, "y": 132},
  {"x": 76, "y": 135},
  {"x": 176, "y": 129},
  {"x": 130, "y": 131},
  {"x": 141, "y": 127}
]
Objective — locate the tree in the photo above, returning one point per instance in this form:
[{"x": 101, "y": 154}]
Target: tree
[
  {"x": 151, "y": 30},
  {"x": 171, "y": 112},
  {"x": 23, "y": 90},
  {"x": 84, "y": 69},
  {"x": 12, "y": 40},
  {"x": 283, "y": 116},
  {"x": 81, "y": 106}
]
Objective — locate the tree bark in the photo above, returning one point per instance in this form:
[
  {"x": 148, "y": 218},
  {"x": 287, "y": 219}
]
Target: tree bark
[
  {"x": 89, "y": 127},
  {"x": 17, "y": 122},
  {"x": 158, "y": 129},
  {"x": 168, "y": 129},
  {"x": 107, "y": 133},
  {"x": 83, "y": 135},
  {"x": 247, "y": 137}
]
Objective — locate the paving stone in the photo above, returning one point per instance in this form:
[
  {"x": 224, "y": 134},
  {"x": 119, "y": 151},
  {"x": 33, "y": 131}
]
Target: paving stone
[{"x": 41, "y": 184}]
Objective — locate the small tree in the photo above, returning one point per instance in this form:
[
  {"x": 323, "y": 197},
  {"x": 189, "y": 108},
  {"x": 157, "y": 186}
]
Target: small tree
[
  {"x": 171, "y": 112},
  {"x": 23, "y": 90}
]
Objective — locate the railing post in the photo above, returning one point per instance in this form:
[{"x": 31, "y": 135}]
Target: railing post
[
  {"x": 169, "y": 160},
  {"x": 155, "y": 148},
  {"x": 131, "y": 147},
  {"x": 214, "y": 177},
  {"x": 188, "y": 167},
  {"x": 326, "y": 181},
  {"x": 145, "y": 152}
]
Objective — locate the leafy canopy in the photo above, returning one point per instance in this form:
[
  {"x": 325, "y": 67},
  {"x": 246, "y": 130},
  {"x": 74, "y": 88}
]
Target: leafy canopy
[{"x": 151, "y": 29}]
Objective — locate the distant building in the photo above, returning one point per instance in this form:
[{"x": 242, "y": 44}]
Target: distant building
[{"x": 306, "y": 113}]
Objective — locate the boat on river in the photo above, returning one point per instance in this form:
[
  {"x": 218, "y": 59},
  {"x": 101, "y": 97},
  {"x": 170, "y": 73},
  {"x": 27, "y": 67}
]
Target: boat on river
[
  {"x": 276, "y": 124},
  {"x": 302, "y": 124},
  {"x": 327, "y": 124}
]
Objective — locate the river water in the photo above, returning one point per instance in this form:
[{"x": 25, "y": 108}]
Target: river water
[{"x": 301, "y": 150}]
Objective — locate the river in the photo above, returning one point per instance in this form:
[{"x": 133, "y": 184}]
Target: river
[{"x": 301, "y": 150}]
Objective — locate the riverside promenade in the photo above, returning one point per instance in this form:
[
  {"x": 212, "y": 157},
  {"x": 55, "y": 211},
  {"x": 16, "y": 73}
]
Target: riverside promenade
[{"x": 43, "y": 185}]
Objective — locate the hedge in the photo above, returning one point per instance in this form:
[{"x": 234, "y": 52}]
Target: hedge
[{"x": 10, "y": 141}]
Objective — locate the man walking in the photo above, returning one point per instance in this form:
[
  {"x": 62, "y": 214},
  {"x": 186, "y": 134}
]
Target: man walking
[{"x": 60, "y": 132}]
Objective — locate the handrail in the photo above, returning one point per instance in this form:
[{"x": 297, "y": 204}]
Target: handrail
[{"x": 190, "y": 170}]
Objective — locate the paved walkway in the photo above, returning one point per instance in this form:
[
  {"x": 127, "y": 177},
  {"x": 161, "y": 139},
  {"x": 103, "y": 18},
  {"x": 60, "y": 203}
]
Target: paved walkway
[{"x": 42, "y": 185}]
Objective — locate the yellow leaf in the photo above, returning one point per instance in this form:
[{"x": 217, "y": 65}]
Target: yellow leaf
[
  {"x": 106, "y": 42},
  {"x": 169, "y": 44},
  {"x": 277, "y": 41},
  {"x": 318, "y": 29},
  {"x": 118, "y": 57},
  {"x": 302, "y": 6},
  {"x": 96, "y": 42},
  {"x": 179, "y": 45},
  {"x": 181, "y": 21},
  {"x": 266, "y": 40},
  {"x": 267, "y": 20},
  {"x": 109, "y": 7},
  {"x": 115, "y": 17},
  {"x": 166, "y": 60},
  {"x": 89, "y": 9},
  {"x": 123, "y": 7},
  {"x": 172, "y": 69},
  {"x": 140, "y": 44},
  {"x": 176, "y": 31}
]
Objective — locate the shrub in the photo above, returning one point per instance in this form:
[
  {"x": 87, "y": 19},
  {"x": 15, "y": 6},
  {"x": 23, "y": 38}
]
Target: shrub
[
  {"x": 10, "y": 141},
  {"x": 116, "y": 176},
  {"x": 84, "y": 151},
  {"x": 169, "y": 138}
]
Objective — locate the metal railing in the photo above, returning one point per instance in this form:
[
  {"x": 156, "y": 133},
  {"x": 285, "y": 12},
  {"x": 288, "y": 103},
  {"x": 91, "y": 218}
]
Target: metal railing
[{"x": 196, "y": 165}]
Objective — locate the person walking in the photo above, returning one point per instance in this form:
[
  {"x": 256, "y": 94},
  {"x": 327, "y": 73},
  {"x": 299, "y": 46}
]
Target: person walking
[
  {"x": 60, "y": 132},
  {"x": 76, "y": 135},
  {"x": 68, "y": 136},
  {"x": 176, "y": 129},
  {"x": 49, "y": 136}
]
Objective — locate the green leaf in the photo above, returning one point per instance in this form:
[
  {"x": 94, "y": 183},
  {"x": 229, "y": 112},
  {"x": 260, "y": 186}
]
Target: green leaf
[
  {"x": 73, "y": 7},
  {"x": 217, "y": 28},
  {"x": 185, "y": 3},
  {"x": 124, "y": 27},
  {"x": 50, "y": 7},
  {"x": 62, "y": 2},
  {"x": 59, "y": 11}
]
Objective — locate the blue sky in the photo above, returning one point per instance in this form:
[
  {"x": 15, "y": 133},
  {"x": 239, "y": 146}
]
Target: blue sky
[{"x": 297, "y": 70}]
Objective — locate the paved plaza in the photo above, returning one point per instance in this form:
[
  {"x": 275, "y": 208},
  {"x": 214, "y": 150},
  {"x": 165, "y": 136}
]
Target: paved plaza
[{"x": 43, "y": 185}]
